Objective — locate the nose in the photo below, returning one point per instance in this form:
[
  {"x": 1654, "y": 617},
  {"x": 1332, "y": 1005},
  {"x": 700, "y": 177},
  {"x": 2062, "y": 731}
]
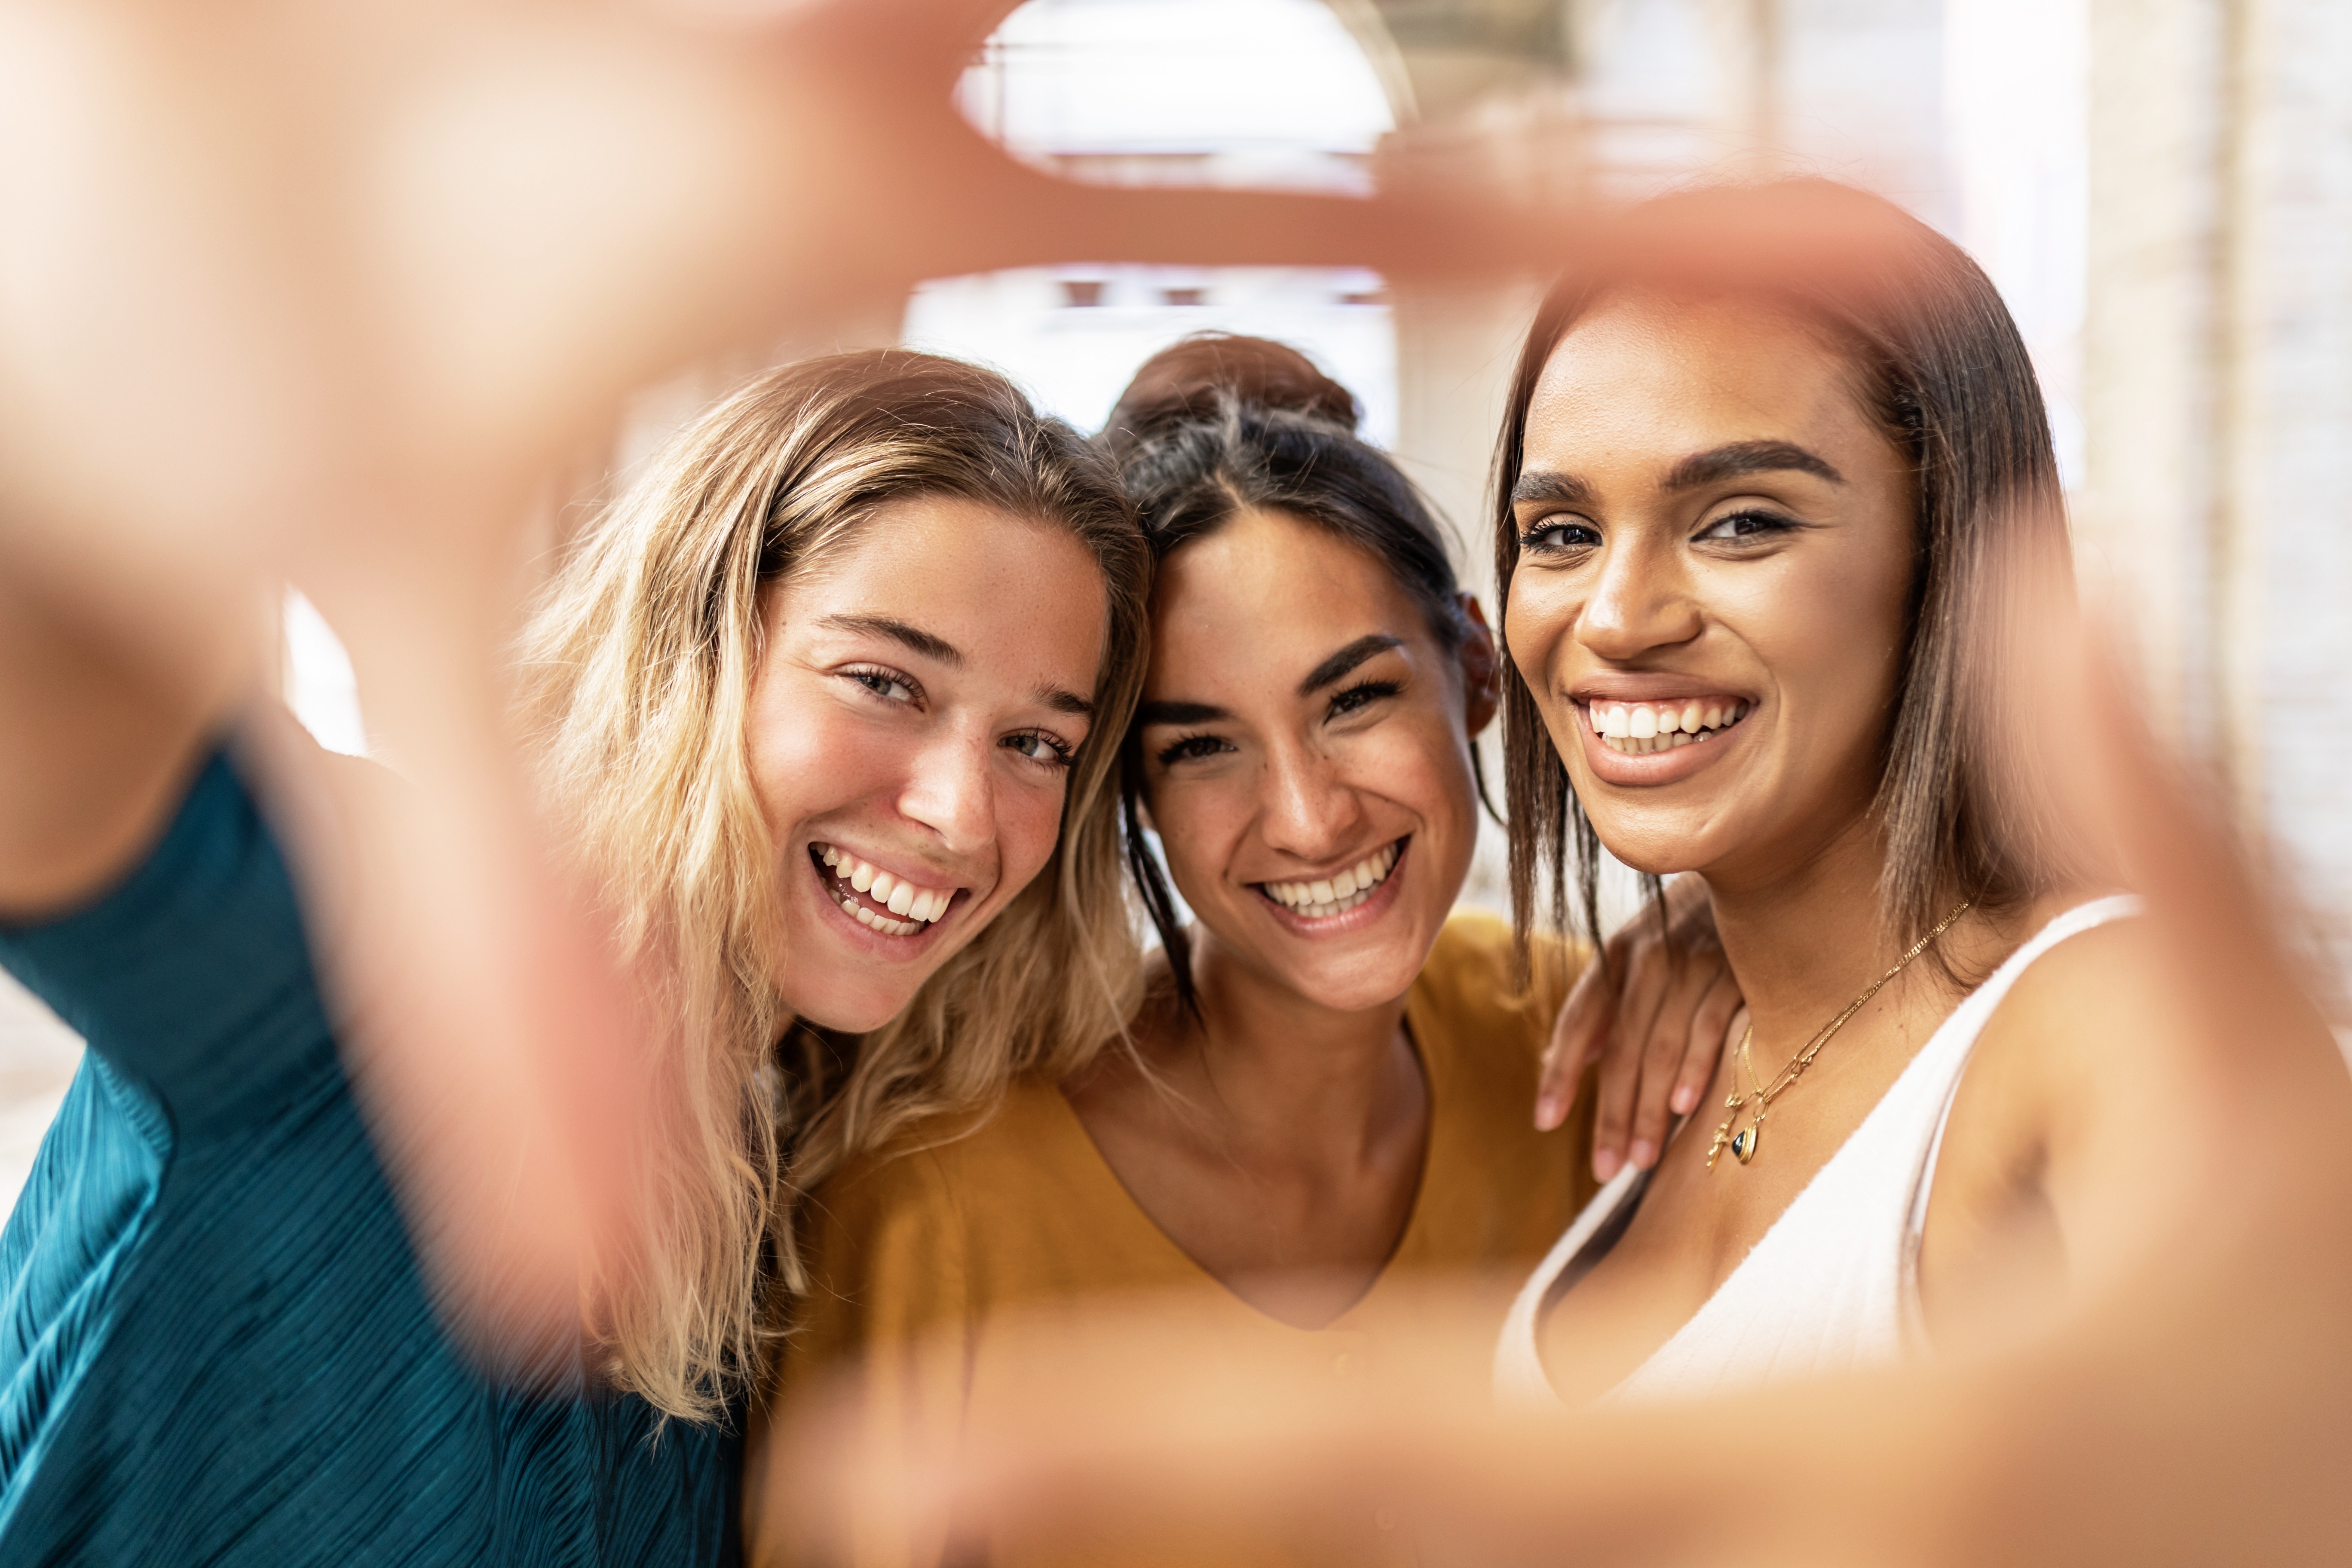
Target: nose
[
  {"x": 1640, "y": 602},
  {"x": 952, "y": 792},
  {"x": 1308, "y": 807}
]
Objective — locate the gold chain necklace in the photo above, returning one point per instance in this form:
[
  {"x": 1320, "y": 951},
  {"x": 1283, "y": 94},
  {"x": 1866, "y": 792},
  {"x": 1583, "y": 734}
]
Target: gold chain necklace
[{"x": 1761, "y": 1095}]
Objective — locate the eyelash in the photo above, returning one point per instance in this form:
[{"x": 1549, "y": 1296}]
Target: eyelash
[
  {"x": 1537, "y": 540},
  {"x": 1193, "y": 748},
  {"x": 1190, "y": 748},
  {"x": 869, "y": 675},
  {"x": 876, "y": 679},
  {"x": 1064, "y": 752},
  {"x": 1766, "y": 523},
  {"x": 1533, "y": 539},
  {"x": 1361, "y": 693}
]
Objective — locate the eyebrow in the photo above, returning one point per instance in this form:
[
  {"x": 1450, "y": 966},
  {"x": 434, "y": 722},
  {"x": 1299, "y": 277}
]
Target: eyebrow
[
  {"x": 1059, "y": 699},
  {"x": 1063, "y": 700},
  {"x": 1747, "y": 458},
  {"x": 1712, "y": 467},
  {"x": 1543, "y": 485},
  {"x": 913, "y": 638},
  {"x": 1346, "y": 660}
]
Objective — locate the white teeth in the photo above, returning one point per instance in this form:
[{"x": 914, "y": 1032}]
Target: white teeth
[
  {"x": 1640, "y": 728},
  {"x": 885, "y": 891},
  {"x": 1338, "y": 894}
]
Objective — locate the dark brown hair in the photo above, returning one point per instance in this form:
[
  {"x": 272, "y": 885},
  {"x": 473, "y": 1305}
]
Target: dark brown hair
[
  {"x": 1938, "y": 363},
  {"x": 1216, "y": 425}
]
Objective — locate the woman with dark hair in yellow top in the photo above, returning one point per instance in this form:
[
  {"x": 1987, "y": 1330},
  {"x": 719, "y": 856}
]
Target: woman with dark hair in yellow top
[{"x": 1327, "y": 1090}]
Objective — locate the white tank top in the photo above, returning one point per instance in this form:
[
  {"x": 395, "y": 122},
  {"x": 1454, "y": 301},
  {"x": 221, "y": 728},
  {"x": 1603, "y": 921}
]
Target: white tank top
[{"x": 1832, "y": 1285}]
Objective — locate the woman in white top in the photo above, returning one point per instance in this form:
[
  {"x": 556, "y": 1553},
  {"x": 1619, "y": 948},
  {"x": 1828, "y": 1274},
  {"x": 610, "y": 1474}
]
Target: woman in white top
[{"x": 1754, "y": 512}]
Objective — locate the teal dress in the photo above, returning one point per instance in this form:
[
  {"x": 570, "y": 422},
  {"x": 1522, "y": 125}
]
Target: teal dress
[{"x": 216, "y": 1346}]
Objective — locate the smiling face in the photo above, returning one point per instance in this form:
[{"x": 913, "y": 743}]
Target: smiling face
[
  {"x": 921, "y": 694},
  {"x": 1714, "y": 554},
  {"x": 1305, "y": 761}
]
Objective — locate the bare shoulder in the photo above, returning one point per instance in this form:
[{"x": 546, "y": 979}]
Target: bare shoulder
[{"x": 2075, "y": 1020}]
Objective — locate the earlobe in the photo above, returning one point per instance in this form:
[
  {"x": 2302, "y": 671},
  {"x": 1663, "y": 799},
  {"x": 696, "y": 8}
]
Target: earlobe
[{"x": 1480, "y": 669}]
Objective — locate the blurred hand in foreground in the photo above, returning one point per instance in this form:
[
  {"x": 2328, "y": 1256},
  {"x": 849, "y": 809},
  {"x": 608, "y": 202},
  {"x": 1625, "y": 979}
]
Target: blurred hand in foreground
[
  {"x": 2195, "y": 1409},
  {"x": 315, "y": 294}
]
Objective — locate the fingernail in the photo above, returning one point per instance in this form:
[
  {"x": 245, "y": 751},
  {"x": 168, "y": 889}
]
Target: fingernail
[
  {"x": 1547, "y": 1113},
  {"x": 1646, "y": 1153},
  {"x": 1605, "y": 1163},
  {"x": 1685, "y": 1100}
]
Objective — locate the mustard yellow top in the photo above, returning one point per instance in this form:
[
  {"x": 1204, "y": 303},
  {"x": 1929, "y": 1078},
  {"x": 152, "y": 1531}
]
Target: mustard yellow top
[{"x": 942, "y": 1235}]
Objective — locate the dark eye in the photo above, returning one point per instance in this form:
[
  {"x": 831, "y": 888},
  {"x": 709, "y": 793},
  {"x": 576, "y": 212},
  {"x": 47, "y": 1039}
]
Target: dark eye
[
  {"x": 1749, "y": 525},
  {"x": 1557, "y": 536},
  {"x": 1362, "y": 695},
  {"x": 1038, "y": 746},
  {"x": 1191, "y": 747}
]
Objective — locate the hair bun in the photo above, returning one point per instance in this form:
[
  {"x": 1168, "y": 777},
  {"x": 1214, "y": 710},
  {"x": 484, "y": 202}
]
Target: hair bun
[{"x": 1184, "y": 381}]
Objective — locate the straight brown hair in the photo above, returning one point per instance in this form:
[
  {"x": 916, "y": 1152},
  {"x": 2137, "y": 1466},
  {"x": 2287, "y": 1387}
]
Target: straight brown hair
[{"x": 1938, "y": 361}]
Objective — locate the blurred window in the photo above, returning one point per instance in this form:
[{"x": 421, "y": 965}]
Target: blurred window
[{"x": 1266, "y": 94}]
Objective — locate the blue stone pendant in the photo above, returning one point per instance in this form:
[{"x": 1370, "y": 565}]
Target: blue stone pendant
[{"x": 1743, "y": 1145}]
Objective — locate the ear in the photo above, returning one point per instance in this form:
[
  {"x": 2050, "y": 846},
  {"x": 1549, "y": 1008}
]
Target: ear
[{"x": 1482, "y": 672}]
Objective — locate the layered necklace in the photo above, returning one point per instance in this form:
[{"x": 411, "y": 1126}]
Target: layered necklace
[{"x": 1759, "y": 1098}]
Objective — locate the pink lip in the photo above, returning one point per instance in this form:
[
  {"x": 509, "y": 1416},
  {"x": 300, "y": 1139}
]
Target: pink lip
[
  {"x": 1658, "y": 767},
  {"x": 1383, "y": 899}
]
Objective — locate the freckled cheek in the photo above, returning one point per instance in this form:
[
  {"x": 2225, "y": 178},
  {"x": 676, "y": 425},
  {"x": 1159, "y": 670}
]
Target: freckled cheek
[
  {"x": 1199, "y": 826},
  {"x": 808, "y": 758},
  {"x": 1419, "y": 765},
  {"x": 1028, "y": 825}
]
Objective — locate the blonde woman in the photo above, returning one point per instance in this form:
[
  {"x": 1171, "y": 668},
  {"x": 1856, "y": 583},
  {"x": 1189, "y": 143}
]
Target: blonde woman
[{"x": 819, "y": 701}]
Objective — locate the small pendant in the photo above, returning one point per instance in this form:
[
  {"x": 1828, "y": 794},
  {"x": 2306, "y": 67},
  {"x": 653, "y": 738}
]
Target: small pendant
[{"x": 1743, "y": 1143}]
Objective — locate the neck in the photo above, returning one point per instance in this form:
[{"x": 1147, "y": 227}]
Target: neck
[
  {"x": 1804, "y": 939},
  {"x": 1290, "y": 1077}
]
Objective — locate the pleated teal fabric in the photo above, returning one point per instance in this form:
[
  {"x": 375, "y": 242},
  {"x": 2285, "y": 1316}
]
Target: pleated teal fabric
[{"x": 216, "y": 1346}]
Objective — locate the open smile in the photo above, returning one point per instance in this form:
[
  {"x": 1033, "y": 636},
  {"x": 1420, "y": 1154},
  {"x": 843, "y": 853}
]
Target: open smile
[
  {"x": 884, "y": 903},
  {"x": 1341, "y": 892},
  {"x": 1638, "y": 729}
]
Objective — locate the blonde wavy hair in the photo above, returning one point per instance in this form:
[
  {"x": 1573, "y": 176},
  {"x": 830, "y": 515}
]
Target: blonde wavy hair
[{"x": 637, "y": 671}]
